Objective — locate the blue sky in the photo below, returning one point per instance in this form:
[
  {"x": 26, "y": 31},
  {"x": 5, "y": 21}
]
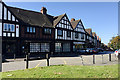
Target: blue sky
[{"x": 102, "y": 17}]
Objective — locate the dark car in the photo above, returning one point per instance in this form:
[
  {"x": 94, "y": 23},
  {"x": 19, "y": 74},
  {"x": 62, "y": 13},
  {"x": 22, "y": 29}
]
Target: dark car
[{"x": 81, "y": 51}]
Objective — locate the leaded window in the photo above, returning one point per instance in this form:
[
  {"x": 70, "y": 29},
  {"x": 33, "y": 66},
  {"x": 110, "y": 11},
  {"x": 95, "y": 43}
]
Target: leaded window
[
  {"x": 82, "y": 36},
  {"x": 76, "y": 35},
  {"x": 60, "y": 32},
  {"x": 58, "y": 47},
  {"x": 68, "y": 33},
  {"x": 31, "y": 29},
  {"x": 47, "y": 31},
  {"x": 9, "y": 27}
]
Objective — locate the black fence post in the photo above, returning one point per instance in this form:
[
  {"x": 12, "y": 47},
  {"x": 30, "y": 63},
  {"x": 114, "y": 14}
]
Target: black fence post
[
  {"x": 93, "y": 59},
  {"x": 27, "y": 60},
  {"x": 109, "y": 57},
  {"x": 47, "y": 56}
]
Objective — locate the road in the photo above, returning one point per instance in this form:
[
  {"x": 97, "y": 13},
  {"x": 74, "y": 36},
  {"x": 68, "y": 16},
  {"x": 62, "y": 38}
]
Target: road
[{"x": 19, "y": 64}]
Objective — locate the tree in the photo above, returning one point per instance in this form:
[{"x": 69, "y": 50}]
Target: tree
[{"x": 114, "y": 42}]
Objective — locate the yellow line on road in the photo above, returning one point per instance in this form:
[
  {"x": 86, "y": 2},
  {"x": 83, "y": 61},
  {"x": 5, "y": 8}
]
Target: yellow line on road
[
  {"x": 65, "y": 62},
  {"x": 38, "y": 65}
]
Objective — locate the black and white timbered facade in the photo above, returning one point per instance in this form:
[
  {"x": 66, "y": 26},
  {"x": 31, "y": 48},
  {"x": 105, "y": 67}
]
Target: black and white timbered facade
[
  {"x": 9, "y": 30},
  {"x": 79, "y": 34},
  {"x": 63, "y": 34},
  {"x": 39, "y": 32}
]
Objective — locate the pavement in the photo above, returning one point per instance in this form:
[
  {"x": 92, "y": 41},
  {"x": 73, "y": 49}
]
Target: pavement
[{"x": 101, "y": 59}]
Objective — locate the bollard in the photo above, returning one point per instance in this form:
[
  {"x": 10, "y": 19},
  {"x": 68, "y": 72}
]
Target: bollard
[
  {"x": 47, "y": 57},
  {"x": 102, "y": 59},
  {"x": 93, "y": 59},
  {"x": 109, "y": 57},
  {"x": 27, "y": 59}
]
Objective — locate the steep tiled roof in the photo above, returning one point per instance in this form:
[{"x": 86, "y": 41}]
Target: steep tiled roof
[
  {"x": 74, "y": 23},
  {"x": 89, "y": 30},
  {"x": 32, "y": 17},
  {"x": 57, "y": 19},
  {"x": 36, "y": 18},
  {"x": 97, "y": 37},
  {"x": 94, "y": 34}
]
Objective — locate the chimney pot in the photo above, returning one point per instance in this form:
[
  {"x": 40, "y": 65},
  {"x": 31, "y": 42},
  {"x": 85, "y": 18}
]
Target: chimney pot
[
  {"x": 43, "y": 10},
  {"x": 73, "y": 19}
]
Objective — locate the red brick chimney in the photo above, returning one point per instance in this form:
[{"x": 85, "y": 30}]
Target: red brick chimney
[
  {"x": 73, "y": 19},
  {"x": 43, "y": 10}
]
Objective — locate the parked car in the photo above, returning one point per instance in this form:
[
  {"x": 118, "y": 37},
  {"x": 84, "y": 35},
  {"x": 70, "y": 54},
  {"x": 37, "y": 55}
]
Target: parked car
[
  {"x": 100, "y": 49},
  {"x": 117, "y": 52},
  {"x": 81, "y": 51},
  {"x": 95, "y": 50},
  {"x": 88, "y": 50}
]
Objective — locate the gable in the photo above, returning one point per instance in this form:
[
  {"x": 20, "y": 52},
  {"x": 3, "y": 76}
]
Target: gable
[
  {"x": 80, "y": 27},
  {"x": 8, "y": 15},
  {"x": 64, "y": 23}
]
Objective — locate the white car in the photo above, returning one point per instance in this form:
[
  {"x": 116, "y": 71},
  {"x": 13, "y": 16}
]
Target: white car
[{"x": 117, "y": 52}]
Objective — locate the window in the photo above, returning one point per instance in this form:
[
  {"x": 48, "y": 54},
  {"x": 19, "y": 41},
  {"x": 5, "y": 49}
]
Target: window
[
  {"x": 60, "y": 32},
  {"x": 44, "y": 47},
  {"x": 39, "y": 47},
  {"x": 34, "y": 47},
  {"x": 66, "y": 47},
  {"x": 82, "y": 36},
  {"x": 68, "y": 33},
  {"x": 9, "y": 27},
  {"x": 76, "y": 35},
  {"x": 28, "y": 29},
  {"x": 31, "y": 29},
  {"x": 47, "y": 31},
  {"x": 58, "y": 47},
  {"x": 12, "y": 28}
]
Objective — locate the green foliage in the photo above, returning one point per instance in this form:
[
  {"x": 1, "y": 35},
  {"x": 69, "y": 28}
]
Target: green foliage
[{"x": 114, "y": 42}]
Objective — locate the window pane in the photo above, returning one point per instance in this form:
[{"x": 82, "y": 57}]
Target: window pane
[
  {"x": 5, "y": 27},
  {"x": 34, "y": 29},
  {"x": 12, "y": 28},
  {"x": 30, "y": 29},
  {"x": 44, "y": 47},
  {"x": 58, "y": 47},
  {"x": 9, "y": 27}
]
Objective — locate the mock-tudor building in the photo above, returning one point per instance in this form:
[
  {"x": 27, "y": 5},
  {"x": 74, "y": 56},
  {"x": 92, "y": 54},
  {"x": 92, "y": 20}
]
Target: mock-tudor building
[
  {"x": 95, "y": 39},
  {"x": 38, "y": 32},
  {"x": 63, "y": 34},
  {"x": 89, "y": 38},
  {"x": 79, "y": 34}
]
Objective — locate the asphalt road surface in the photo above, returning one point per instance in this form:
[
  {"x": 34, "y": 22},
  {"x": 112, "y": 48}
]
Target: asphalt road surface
[{"x": 100, "y": 59}]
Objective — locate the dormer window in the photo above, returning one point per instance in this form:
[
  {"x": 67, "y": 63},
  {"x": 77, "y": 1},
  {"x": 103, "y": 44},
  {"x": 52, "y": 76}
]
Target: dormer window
[{"x": 31, "y": 29}]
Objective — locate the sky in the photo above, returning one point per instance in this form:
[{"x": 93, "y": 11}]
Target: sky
[{"x": 102, "y": 17}]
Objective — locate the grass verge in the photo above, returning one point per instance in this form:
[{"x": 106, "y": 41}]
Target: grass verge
[{"x": 65, "y": 71}]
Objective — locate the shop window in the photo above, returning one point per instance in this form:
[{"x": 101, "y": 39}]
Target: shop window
[{"x": 58, "y": 47}]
